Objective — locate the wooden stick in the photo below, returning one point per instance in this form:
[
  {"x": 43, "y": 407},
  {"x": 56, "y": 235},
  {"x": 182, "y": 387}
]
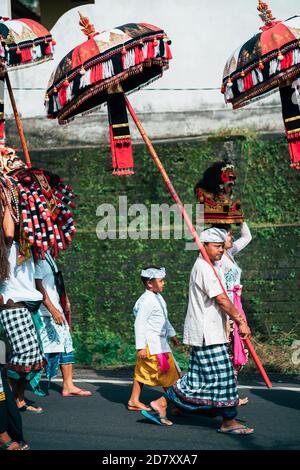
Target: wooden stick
[
  {"x": 189, "y": 224},
  {"x": 18, "y": 121}
]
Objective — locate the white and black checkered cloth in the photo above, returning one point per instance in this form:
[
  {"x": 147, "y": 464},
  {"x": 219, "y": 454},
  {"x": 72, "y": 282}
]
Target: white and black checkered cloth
[
  {"x": 20, "y": 331},
  {"x": 210, "y": 379}
]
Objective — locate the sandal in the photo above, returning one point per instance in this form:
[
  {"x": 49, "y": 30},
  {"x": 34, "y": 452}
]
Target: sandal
[
  {"x": 138, "y": 408},
  {"x": 80, "y": 393},
  {"x": 31, "y": 409},
  {"x": 24, "y": 445},
  {"x": 156, "y": 418},
  {"x": 8, "y": 444},
  {"x": 237, "y": 431}
]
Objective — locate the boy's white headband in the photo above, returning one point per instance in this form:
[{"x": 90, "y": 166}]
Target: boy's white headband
[{"x": 153, "y": 273}]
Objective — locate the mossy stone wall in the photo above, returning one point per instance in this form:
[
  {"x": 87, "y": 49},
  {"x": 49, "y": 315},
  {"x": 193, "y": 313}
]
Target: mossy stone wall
[{"x": 102, "y": 277}]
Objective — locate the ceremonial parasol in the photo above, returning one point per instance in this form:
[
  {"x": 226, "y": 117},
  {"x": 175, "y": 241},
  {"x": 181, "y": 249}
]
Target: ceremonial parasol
[
  {"x": 103, "y": 69},
  {"x": 23, "y": 42},
  {"x": 269, "y": 61}
]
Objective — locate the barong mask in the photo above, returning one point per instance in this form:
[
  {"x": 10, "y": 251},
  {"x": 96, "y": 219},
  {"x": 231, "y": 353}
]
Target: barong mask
[
  {"x": 228, "y": 179},
  {"x": 215, "y": 191},
  {"x": 9, "y": 161}
]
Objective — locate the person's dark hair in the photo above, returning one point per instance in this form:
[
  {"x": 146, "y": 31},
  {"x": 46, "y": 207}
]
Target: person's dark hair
[
  {"x": 146, "y": 279},
  {"x": 4, "y": 263},
  {"x": 211, "y": 179}
]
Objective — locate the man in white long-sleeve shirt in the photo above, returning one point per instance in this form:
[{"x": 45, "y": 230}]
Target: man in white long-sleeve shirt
[{"x": 155, "y": 363}]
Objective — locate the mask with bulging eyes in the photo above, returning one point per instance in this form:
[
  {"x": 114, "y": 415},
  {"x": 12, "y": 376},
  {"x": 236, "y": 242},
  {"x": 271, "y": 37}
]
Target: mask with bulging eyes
[
  {"x": 9, "y": 161},
  {"x": 228, "y": 179}
]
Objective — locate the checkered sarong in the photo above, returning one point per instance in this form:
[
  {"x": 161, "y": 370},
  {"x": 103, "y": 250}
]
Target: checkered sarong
[
  {"x": 210, "y": 379},
  {"x": 20, "y": 331}
]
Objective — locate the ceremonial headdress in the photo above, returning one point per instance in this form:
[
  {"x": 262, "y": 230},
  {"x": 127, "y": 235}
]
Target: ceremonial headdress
[
  {"x": 39, "y": 203},
  {"x": 213, "y": 235},
  {"x": 215, "y": 191},
  {"x": 153, "y": 273}
]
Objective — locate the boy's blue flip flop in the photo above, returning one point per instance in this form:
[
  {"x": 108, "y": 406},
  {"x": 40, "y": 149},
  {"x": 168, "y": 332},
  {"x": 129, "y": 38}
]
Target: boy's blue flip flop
[{"x": 152, "y": 416}]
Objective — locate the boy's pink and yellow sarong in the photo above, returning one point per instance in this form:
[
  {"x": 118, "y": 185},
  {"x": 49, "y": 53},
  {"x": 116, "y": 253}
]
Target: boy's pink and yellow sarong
[{"x": 148, "y": 371}]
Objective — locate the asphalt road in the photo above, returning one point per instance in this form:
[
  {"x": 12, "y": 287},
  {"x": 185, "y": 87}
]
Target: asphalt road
[{"x": 102, "y": 422}]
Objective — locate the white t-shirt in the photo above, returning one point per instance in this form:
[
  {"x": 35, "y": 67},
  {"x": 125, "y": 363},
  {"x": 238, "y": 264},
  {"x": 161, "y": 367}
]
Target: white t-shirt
[
  {"x": 21, "y": 283},
  {"x": 44, "y": 272},
  {"x": 205, "y": 322},
  {"x": 151, "y": 325}
]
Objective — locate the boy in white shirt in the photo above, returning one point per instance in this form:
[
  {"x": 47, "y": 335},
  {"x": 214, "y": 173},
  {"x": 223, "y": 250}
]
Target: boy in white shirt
[{"x": 155, "y": 364}]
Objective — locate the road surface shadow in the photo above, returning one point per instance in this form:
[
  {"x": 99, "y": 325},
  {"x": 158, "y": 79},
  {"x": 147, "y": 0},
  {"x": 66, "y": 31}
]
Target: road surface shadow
[
  {"x": 285, "y": 398},
  {"x": 121, "y": 393},
  {"x": 115, "y": 393}
]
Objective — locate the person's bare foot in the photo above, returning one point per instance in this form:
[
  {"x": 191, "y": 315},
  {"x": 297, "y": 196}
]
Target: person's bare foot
[
  {"x": 160, "y": 407},
  {"x": 243, "y": 401},
  {"x": 137, "y": 406},
  {"x": 235, "y": 427}
]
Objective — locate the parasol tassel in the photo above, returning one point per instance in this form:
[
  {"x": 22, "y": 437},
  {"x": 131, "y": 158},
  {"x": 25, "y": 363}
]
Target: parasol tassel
[
  {"x": 85, "y": 79},
  {"x": 167, "y": 49},
  {"x": 2, "y": 132},
  {"x": 2, "y": 120},
  {"x": 2, "y": 51},
  {"x": 139, "y": 53},
  {"x": 128, "y": 59},
  {"x": 290, "y": 100},
  {"x": 62, "y": 96},
  {"x": 36, "y": 52},
  {"x": 120, "y": 139},
  {"x": 287, "y": 61},
  {"x": 108, "y": 69},
  {"x": 248, "y": 81},
  {"x": 275, "y": 66},
  {"x": 48, "y": 48},
  {"x": 241, "y": 85},
  {"x": 26, "y": 55},
  {"x": 296, "y": 56},
  {"x": 96, "y": 73},
  {"x": 152, "y": 49}
]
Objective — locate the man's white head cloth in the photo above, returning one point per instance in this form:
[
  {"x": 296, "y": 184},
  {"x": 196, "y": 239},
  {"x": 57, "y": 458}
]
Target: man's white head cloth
[
  {"x": 213, "y": 235},
  {"x": 154, "y": 273}
]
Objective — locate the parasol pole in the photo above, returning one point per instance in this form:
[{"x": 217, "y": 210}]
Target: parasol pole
[
  {"x": 188, "y": 221},
  {"x": 18, "y": 121}
]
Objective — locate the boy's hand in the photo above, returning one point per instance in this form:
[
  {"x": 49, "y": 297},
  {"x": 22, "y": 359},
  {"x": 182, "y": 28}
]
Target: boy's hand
[
  {"x": 142, "y": 353},
  {"x": 175, "y": 341},
  {"x": 57, "y": 317}
]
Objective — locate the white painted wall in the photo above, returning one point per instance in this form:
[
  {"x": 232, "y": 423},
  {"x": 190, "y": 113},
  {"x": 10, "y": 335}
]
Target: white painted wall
[
  {"x": 204, "y": 33},
  {"x": 5, "y": 8}
]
